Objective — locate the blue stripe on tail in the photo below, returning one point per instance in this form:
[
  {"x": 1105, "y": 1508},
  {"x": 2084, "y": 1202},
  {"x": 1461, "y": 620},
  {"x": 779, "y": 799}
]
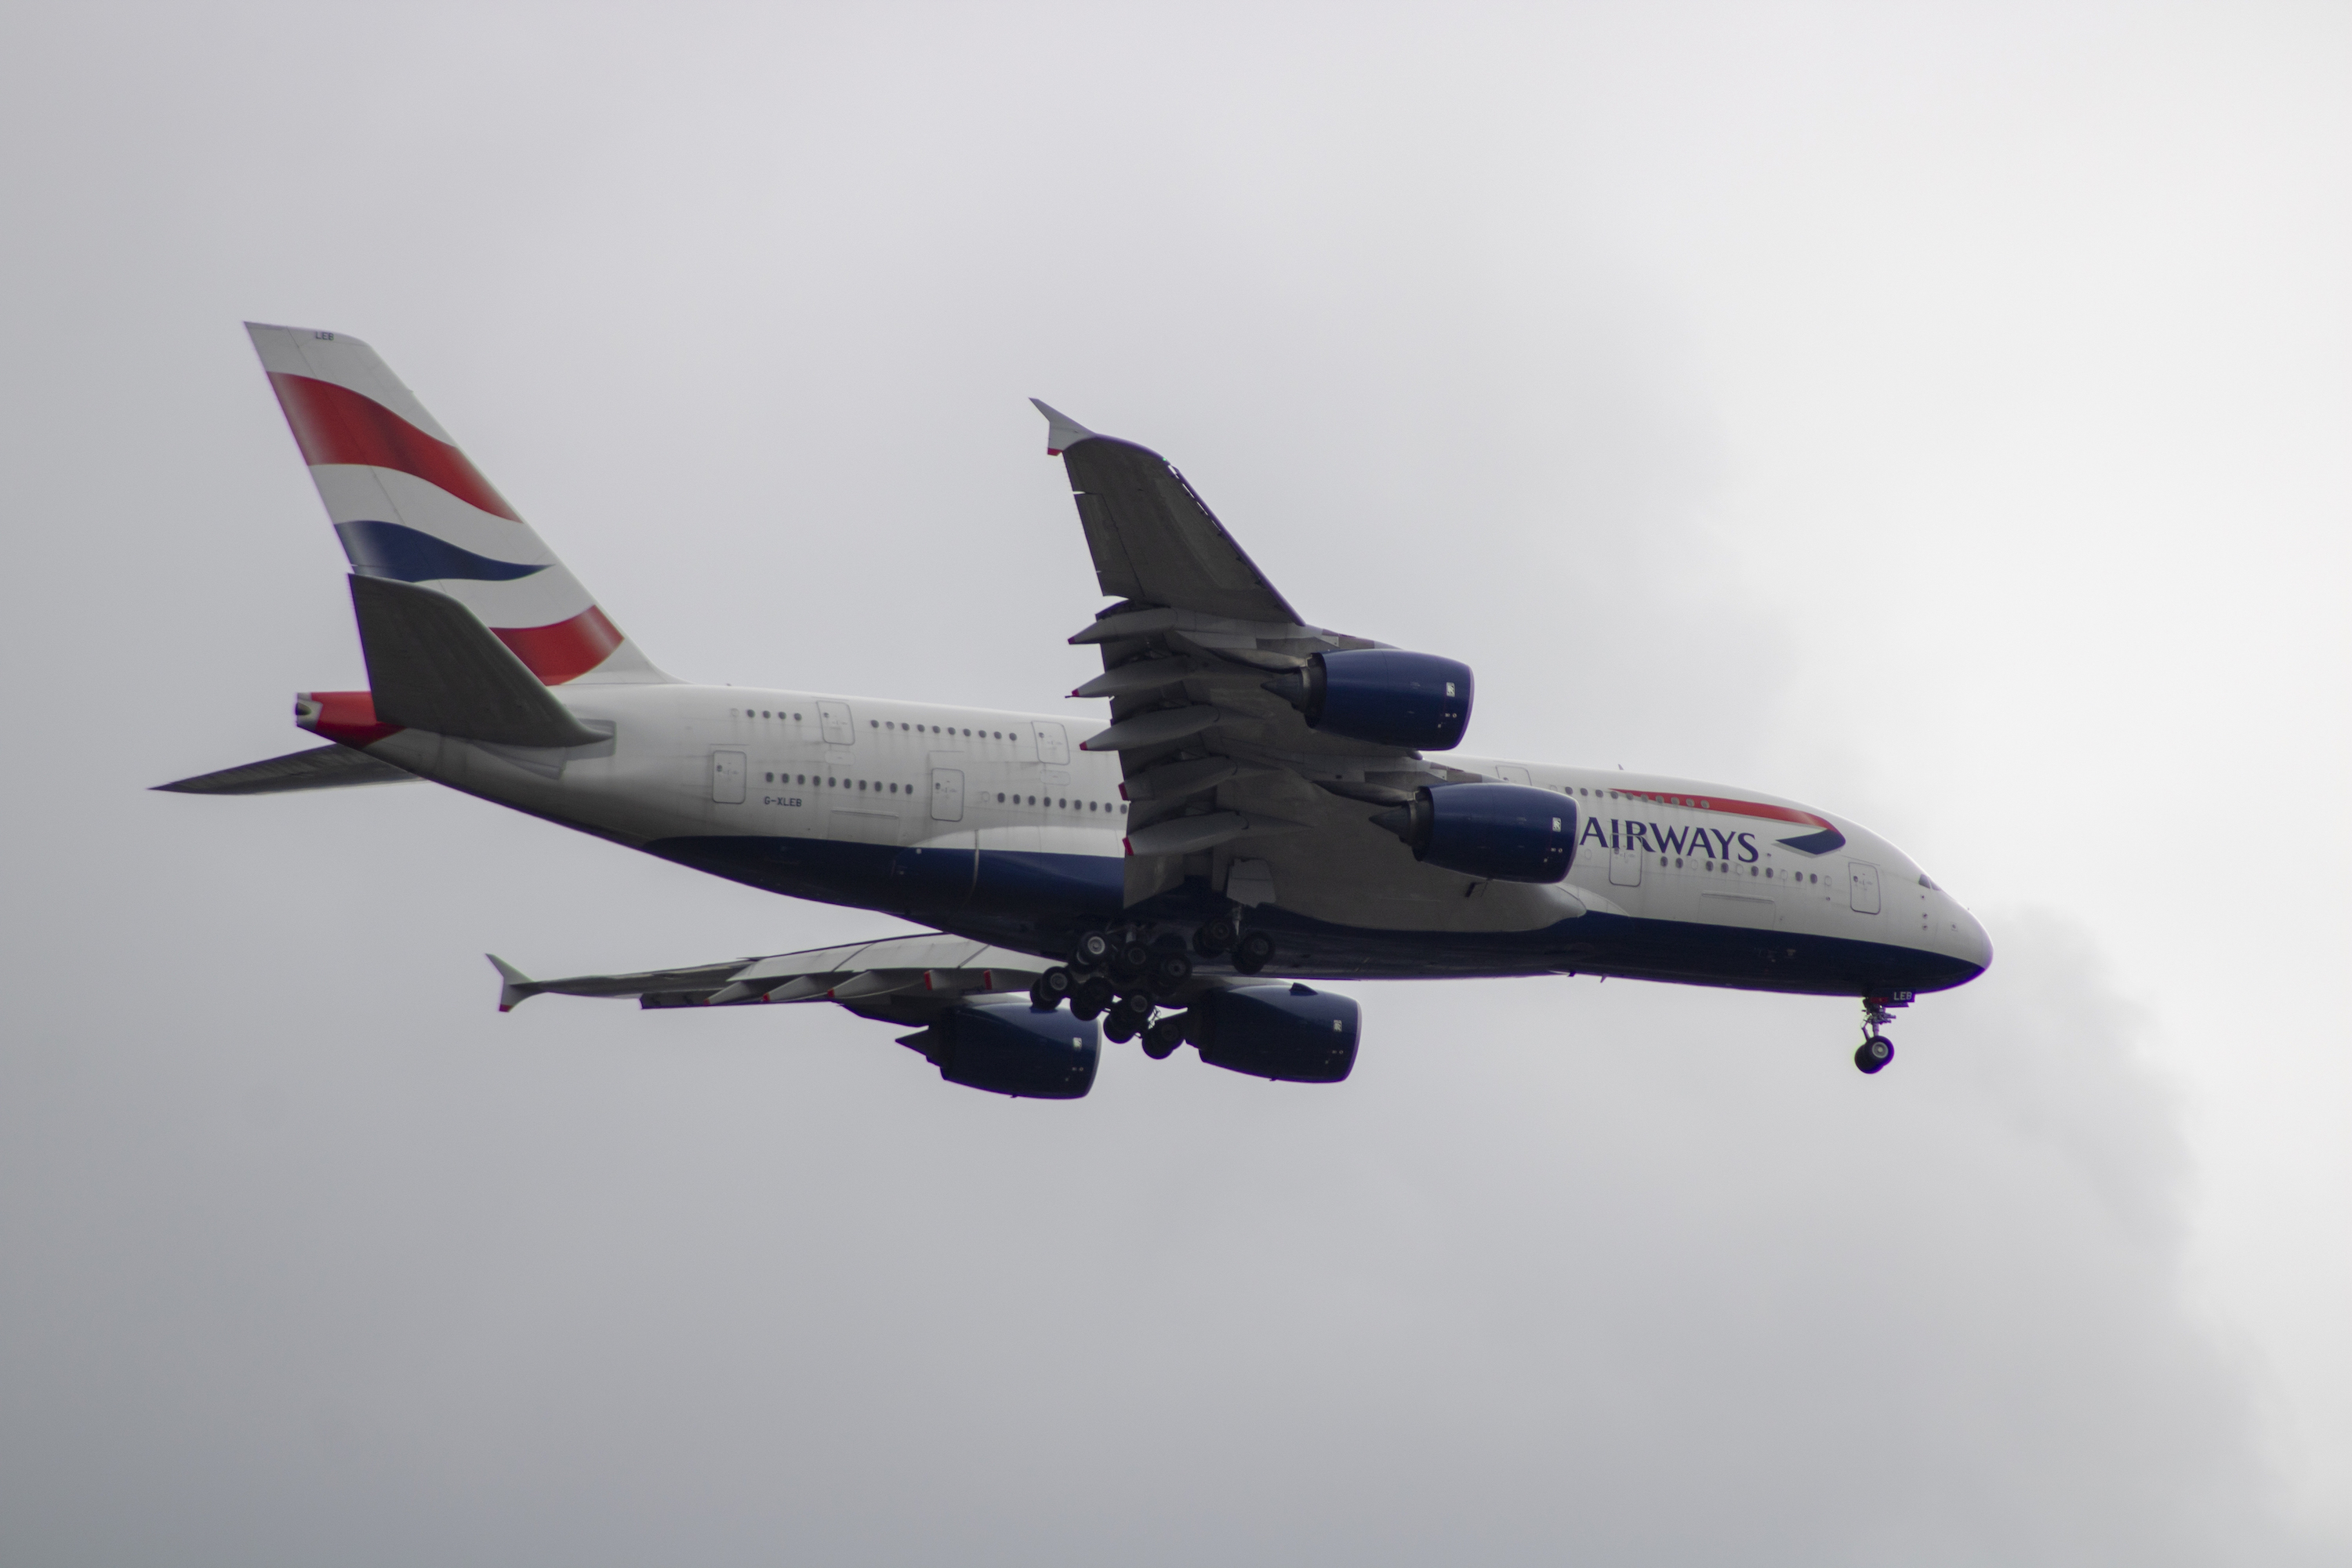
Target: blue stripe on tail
[{"x": 396, "y": 550}]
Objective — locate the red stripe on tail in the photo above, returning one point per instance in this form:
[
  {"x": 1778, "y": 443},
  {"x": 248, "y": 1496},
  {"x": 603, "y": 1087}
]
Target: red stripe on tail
[
  {"x": 335, "y": 425},
  {"x": 565, "y": 650}
]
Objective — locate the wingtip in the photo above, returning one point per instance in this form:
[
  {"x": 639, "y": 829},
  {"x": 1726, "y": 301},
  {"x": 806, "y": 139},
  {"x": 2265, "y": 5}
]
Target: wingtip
[
  {"x": 512, "y": 982},
  {"x": 1062, "y": 432}
]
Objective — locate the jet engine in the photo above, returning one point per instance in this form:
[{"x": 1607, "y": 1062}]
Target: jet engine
[
  {"x": 1510, "y": 833},
  {"x": 1011, "y": 1047},
  {"x": 1383, "y": 695},
  {"x": 1297, "y": 1033}
]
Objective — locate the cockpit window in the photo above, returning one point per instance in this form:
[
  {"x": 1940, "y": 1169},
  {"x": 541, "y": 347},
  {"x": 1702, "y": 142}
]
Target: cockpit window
[{"x": 1929, "y": 886}]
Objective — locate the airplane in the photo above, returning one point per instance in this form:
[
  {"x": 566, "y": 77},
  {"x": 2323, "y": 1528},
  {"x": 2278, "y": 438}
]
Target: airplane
[{"x": 1270, "y": 803}]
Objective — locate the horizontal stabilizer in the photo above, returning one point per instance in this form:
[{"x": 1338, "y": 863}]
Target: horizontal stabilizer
[
  {"x": 432, "y": 664},
  {"x": 321, "y": 767}
]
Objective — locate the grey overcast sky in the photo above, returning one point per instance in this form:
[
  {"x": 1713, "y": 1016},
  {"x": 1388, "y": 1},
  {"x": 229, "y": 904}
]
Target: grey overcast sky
[{"x": 1936, "y": 412}]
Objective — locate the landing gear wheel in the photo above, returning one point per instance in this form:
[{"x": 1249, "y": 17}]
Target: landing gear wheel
[
  {"x": 1093, "y": 950},
  {"x": 1056, "y": 982},
  {"x": 1091, "y": 998},
  {"x": 1169, "y": 971},
  {"x": 1161, "y": 1040},
  {"x": 1874, "y": 1053},
  {"x": 1132, "y": 958},
  {"x": 1216, "y": 935},
  {"x": 1129, "y": 1016},
  {"x": 1254, "y": 952},
  {"x": 1044, "y": 1000}
]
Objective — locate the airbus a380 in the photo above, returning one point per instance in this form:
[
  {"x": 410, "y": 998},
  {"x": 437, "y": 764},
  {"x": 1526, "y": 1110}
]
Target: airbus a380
[{"x": 1269, "y": 803}]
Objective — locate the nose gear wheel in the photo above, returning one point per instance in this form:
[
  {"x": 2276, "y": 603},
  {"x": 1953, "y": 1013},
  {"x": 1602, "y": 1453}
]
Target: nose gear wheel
[{"x": 1876, "y": 1050}]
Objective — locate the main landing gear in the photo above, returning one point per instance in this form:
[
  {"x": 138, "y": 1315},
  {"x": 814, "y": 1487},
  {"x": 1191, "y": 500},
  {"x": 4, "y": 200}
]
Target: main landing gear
[
  {"x": 1876, "y": 1050},
  {"x": 1124, "y": 978}
]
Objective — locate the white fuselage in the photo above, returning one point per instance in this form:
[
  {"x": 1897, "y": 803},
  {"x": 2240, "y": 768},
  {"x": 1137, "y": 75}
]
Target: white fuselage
[{"x": 700, "y": 764}]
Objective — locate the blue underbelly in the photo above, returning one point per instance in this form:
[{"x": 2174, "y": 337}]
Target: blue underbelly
[{"x": 1042, "y": 903}]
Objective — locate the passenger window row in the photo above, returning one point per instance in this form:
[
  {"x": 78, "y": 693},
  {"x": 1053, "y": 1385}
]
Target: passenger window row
[
  {"x": 874, "y": 724},
  {"x": 1104, "y": 805},
  {"x": 879, "y": 786},
  {"x": 1766, "y": 871}
]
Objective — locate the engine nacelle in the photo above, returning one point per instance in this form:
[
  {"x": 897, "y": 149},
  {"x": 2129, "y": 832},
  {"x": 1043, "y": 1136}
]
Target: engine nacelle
[
  {"x": 1298, "y": 1035},
  {"x": 1383, "y": 695},
  {"x": 1510, "y": 833},
  {"x": 1011, "y": 1047}
]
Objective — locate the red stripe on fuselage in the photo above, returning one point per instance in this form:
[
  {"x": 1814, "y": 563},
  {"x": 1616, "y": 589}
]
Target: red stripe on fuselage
[
  {"x": 565, "y": 650},
  {"x": 335, "y": 425},
  {"x": 1736, "y": 807}
]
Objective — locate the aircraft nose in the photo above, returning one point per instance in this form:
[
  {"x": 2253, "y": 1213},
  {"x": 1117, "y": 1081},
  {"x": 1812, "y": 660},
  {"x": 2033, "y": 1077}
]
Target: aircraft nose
[{"x": 1975, "y": 943}]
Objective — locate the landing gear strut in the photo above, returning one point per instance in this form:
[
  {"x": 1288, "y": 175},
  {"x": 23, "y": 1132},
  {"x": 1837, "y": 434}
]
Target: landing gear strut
[{"x": 1876, "y": 1050}]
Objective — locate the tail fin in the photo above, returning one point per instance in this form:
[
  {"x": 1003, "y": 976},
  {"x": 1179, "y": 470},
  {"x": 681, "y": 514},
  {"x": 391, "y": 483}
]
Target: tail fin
[{"x": 411, "y": 508}]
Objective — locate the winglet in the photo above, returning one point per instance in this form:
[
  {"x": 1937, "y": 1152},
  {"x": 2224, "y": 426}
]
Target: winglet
[
  {"x": 513, "y": 984},
  {"x": 1062, "y": 432}
]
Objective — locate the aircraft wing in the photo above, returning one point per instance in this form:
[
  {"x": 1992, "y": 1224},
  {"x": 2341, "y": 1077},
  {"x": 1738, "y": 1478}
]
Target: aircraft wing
[
  {"x": 1212, "y": 758},
  {"x": 907, "y": 979}
]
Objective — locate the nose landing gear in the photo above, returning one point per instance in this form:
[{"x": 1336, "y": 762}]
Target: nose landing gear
[{"x": 1876, "y": 1050}]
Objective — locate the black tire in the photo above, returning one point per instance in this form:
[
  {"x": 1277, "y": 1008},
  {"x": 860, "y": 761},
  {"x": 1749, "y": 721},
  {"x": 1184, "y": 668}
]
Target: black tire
[
  {"x": 1039, "y": 998},
  {"x": 1216, "y": 935},
  {"x": 1873, "y": 1054},
  {"x": 1057, "y": 983},
  {"x": 1161, "y": 1040},
  {"x": 1133, "y": 958},
  {"x": 1170, "y": 970},
  {"x": 1092, "y": 952},
  {"x": 1091, "y": 998},
  {"x": 1253, "y": 952},
  {"x": 1118, "y": 1028}
]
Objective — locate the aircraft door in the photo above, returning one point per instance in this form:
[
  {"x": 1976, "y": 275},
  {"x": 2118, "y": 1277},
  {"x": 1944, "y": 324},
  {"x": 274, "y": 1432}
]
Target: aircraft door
[
  {"x": 1862, "y": 887},
  {"x": 840, "y": 729},
  {"x": 1053, "y": 743},
  {"x": 1511, "y": 772},
  {"x": 727, "y": 771},
  {"x": 946, "y": 795}
]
